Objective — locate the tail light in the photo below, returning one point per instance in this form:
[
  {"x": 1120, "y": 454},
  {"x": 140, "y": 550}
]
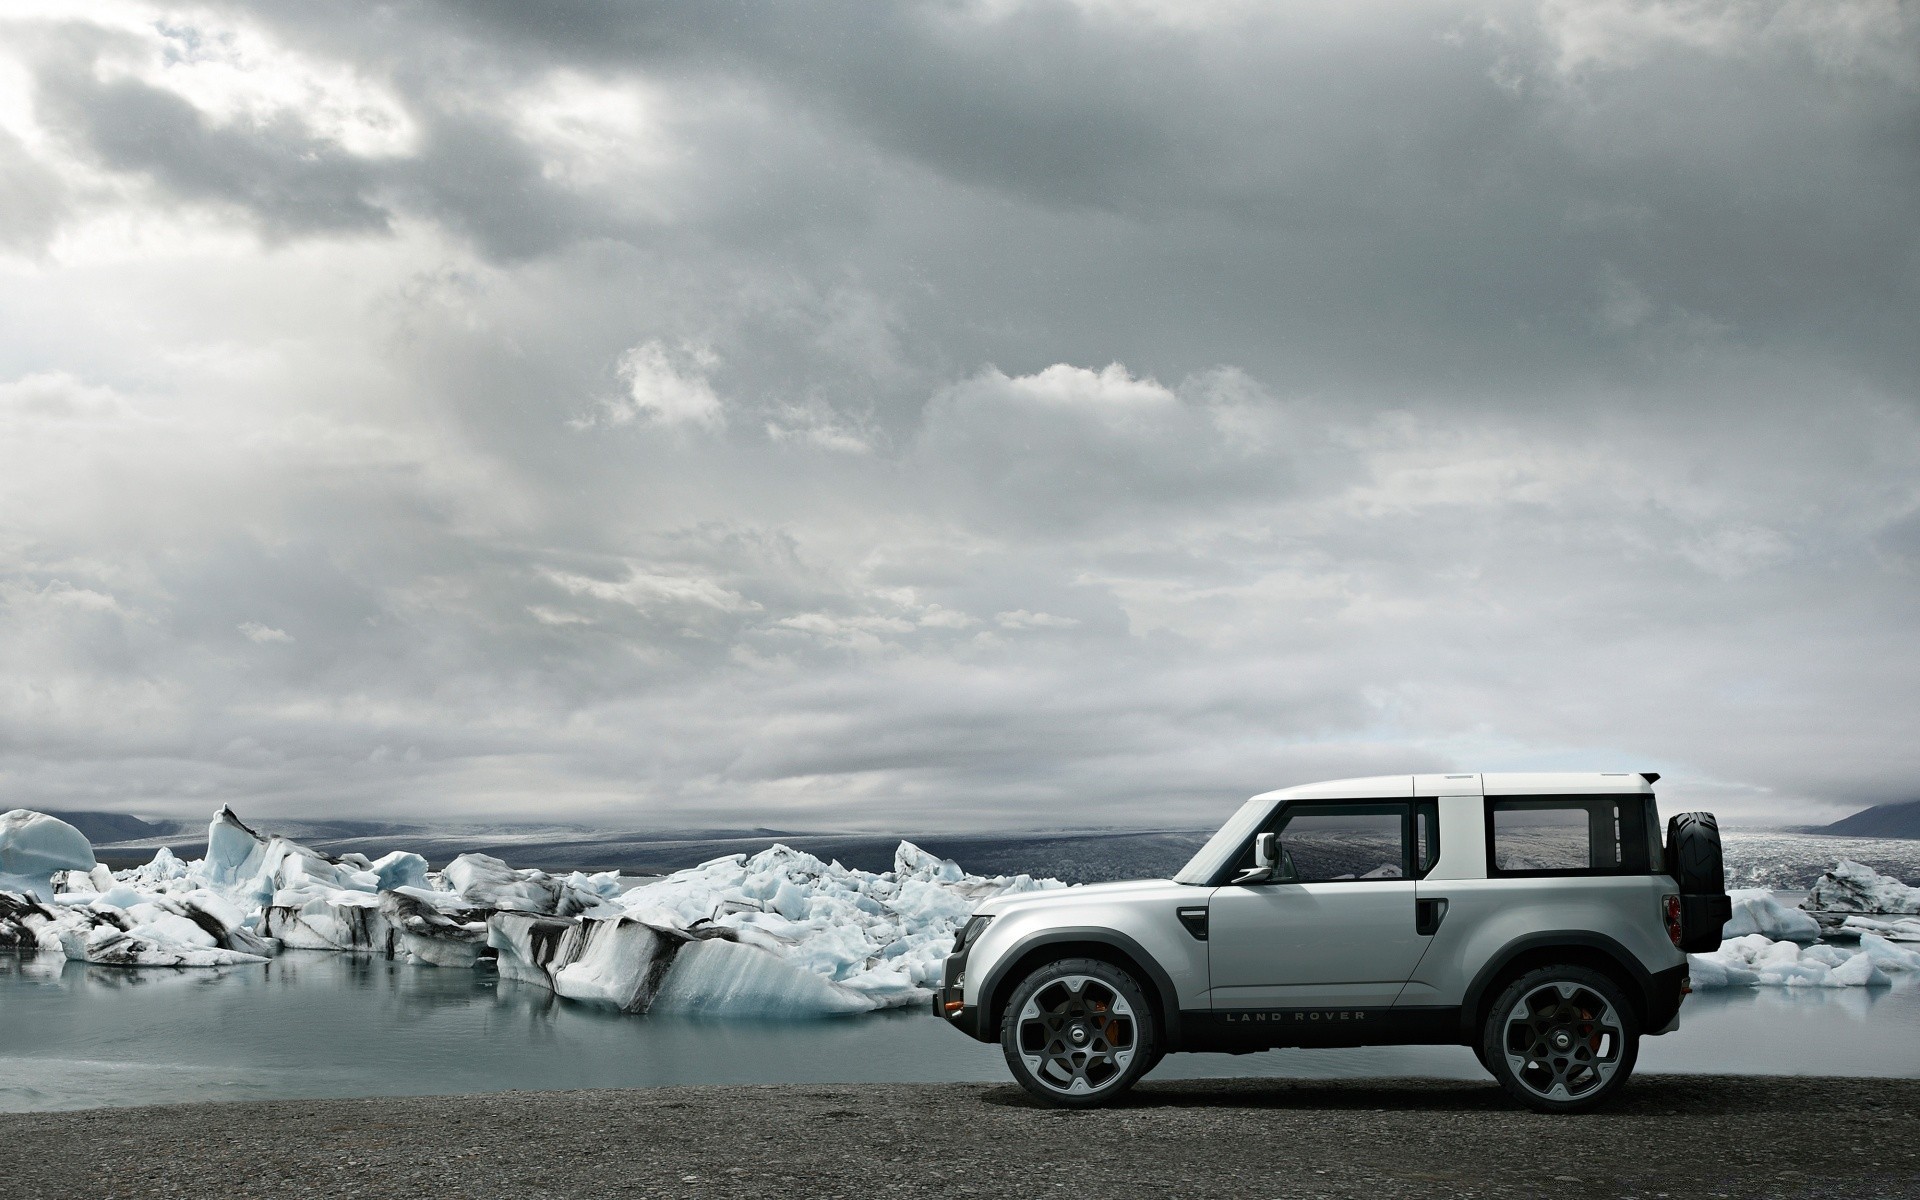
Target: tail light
[{"x": 1670, "y": 908}]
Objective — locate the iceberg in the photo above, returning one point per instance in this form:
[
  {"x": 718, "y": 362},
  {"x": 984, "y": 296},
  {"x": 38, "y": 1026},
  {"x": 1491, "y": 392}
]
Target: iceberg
[
  {"x": 1848, "y": 888},
  {"x": 22, "y": 918},
  {"x": 1714, "y": 971},
  {"x": 840, "y": 923},
  {"x": 486, "y": 882},
  {"x": 530, "y": 948},
  {"x": 778, "y": 933},
  {"x": 1756, "y": 960},
  {"x": 33, "y": 846},
  {"x": 106, "y": 945},
  {"x": 1887, "y": 956},
  {"x": 97, "y": 880},
  {"x": 230, "y": 926},
  {"x": 234, "y": 851},
  {"x": 1755, "y": 910},
  {"x": 332, "y": 920},
  {"x": 717, "y": 977},
  {"x": 164, "y": 869},
  {"x": 621, "y": 962},
  {"x": 706, "y": 973},
  {"x": 399, "y": 869},
  {"x": 434, "y": 928},
  {"x": 638, "y": 967},
  {"x": 1899, "y": 930}
]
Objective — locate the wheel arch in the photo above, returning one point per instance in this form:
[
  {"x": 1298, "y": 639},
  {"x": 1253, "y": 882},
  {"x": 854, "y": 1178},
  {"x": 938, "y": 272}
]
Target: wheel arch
[
  {"x": 1106, "y": 945},
  {"x": 1575, "y": 947}
]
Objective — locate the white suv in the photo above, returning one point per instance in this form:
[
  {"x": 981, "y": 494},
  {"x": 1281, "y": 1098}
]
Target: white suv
[{"x": 1538, "y": 918}]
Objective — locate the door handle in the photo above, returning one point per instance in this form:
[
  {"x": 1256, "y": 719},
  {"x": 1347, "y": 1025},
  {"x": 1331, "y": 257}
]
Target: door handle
[{"x": 1427, "y": 915}]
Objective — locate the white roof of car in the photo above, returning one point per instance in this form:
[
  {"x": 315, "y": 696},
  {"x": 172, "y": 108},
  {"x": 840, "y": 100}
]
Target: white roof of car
[{"x": 1506, "y": 783}]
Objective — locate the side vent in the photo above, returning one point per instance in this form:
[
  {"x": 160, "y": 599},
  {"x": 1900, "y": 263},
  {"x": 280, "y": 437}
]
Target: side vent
[{"x": 1195, "y": 919}]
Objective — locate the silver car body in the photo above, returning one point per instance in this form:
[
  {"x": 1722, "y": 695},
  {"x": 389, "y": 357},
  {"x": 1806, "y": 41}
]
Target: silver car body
[{"x": 1343, "y": 956}]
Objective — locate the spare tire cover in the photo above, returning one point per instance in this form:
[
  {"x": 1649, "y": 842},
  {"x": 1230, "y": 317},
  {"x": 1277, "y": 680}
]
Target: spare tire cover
[{"x": 1693, "y": 854}]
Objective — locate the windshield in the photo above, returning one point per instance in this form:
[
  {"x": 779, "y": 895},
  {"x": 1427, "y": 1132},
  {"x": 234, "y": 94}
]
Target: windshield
[{"x": 1222, "y": 846}]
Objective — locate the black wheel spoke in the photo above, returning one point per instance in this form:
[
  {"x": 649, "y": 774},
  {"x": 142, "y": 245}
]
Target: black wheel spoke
[
  {"x": 1076, "y": 1035},
  {"x": 1563, "y": 1041}
]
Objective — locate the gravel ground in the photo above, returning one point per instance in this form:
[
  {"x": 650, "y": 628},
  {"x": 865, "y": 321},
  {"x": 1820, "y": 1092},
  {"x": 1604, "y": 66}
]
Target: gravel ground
[{"x": 1675, "y": 1136}]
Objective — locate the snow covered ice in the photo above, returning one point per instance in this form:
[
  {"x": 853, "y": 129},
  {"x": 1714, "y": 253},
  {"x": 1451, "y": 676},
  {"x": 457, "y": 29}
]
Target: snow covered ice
[
  {"x": 1755, "y": 959},
  {"x": 1849, "y": 891},
  {"x": 1756, "y": 910},
  {"x": 779, "y": 933},
  {"x": 33, "y": 846},
  {"x": 775, "y": 933},
  {"x": 1771, "y": 945}
]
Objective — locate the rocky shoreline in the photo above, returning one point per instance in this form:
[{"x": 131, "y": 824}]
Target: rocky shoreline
[{"x": 1672, "y": 1136}]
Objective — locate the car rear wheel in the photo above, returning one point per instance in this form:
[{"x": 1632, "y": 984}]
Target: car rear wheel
[
  {"x": 1561, "y": 1039},
  {"x": 1078, "y": 1033}
]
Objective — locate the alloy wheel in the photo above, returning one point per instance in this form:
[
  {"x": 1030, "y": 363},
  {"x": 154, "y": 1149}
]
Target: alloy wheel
[
  {"x": 1077, "y": 1035},
  {"x": 1563, "y": 1041}
]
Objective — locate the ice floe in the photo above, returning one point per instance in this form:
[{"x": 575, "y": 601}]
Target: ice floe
[
  {"x": 1756, "y": 910},
  {"x": 1755, "y": 958},
  {"x": 1849, "y": 891},
  {"x": 1900, "y": 929},
  {"x": 1771, "y": 945},
  {"x": 779, "y": 933}
]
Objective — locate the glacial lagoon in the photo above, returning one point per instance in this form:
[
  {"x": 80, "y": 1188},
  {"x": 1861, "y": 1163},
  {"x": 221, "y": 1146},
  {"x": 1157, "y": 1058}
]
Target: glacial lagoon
[{"x": 311, "y": 1024}]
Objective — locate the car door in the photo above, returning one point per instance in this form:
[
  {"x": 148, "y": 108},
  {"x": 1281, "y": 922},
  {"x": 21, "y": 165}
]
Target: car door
[{"x": 1337, "y": 929}]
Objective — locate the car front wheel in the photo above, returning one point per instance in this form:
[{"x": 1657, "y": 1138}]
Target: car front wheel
[
  {"x": 1078, "y": 1032},
  {"x": 1561, "y": 1039}
]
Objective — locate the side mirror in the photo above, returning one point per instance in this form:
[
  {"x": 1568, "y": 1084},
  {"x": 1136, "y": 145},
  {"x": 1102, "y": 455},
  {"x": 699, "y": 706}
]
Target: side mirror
[{"x": 1266, "y": 859}]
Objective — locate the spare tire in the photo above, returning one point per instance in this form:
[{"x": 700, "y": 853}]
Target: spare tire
[
  {"x": 1693, "y": 854},
  {"x": 1695, "y": 862}
]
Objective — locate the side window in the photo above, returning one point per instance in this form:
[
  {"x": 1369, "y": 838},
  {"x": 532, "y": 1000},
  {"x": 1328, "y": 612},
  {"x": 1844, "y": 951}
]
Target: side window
[
  {"x": 1322, "y": 843},
  {"x": 1656, "y": 838},
  {"x": 1426, "y": 836},
  {"x": 1567, "y": 835}
]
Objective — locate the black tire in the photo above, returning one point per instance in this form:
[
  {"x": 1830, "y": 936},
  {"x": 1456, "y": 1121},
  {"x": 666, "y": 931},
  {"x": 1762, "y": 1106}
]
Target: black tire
[
  {"x": 1693, "y": 854},
  {"x": 1573, "y": 1045},
  {"x": 1694, "y": 860},
  {"x": 1079, "y": 1032}
]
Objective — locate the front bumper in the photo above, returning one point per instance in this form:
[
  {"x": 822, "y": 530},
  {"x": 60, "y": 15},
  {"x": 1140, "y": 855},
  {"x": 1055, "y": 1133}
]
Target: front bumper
[{"x": 965, "y": 1017}]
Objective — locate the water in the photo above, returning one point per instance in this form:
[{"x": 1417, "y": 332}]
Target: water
[
  {"x": 1771, "y": 859},
  {"x": 314, "y": 1025}
]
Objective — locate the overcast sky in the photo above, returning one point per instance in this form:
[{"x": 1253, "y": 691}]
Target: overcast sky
[{"x": 935, "y": 416}]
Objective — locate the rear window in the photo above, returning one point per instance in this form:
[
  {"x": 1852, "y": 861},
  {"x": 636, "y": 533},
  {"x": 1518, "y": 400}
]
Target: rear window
[{"x": 1567, "y": 835}]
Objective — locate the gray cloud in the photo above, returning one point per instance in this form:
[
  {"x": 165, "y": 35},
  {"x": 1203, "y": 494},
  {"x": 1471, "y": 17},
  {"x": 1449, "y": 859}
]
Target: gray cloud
[
  {"x": 950, "y": 416},
  {"x": 292, "y": 182},
  {"x": 31, "y": 196}
]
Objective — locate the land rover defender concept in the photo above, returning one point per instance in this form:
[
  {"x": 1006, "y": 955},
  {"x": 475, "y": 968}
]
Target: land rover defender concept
[{"x": 1541, "y": 919}]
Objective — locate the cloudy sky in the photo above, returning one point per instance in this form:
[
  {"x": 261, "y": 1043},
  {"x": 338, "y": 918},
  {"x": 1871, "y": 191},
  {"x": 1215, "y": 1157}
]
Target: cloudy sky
[{"x": 969, "y": 414}]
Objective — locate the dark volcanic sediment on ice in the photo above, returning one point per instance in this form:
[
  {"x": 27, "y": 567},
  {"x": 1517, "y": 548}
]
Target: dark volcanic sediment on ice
[{"x": 1670, "y": 1135}]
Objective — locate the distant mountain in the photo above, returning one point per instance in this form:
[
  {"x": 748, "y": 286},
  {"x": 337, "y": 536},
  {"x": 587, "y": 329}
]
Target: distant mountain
[
  {"x": 115, "y": 827},
  {"x": 1076, "y": 856},
  {"x": 1900, "y": 820}
]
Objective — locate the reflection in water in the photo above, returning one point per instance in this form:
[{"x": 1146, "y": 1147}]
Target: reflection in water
[{"x": 313, "y": 1024}]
